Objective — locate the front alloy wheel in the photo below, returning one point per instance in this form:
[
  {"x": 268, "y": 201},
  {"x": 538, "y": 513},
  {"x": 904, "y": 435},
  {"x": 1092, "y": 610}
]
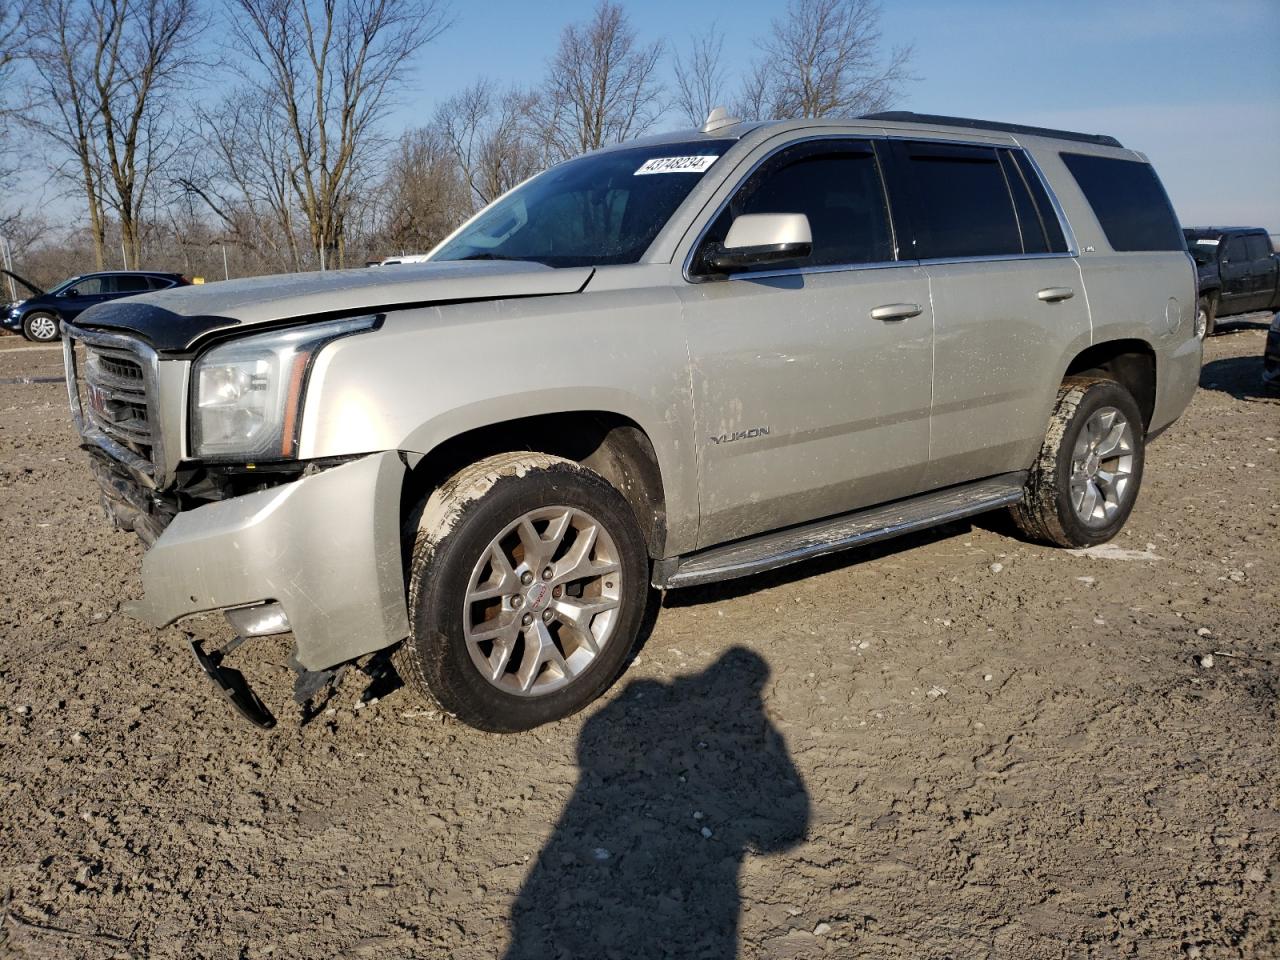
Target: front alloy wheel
[
  {"x": 527, "y": 588},
  {"x": 543, "y": 600}
]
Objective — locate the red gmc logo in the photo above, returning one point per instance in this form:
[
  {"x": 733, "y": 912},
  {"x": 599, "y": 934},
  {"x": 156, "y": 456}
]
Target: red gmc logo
[{"x": 98, "y": 399}]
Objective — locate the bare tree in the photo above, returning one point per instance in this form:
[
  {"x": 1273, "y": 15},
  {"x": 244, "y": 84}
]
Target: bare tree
[
  {"x": 601, "y": 85},
  {"x": 243, "y": 175},
  {"x": 700, "y": 76},
  {"x": 105, "y": 73},
  {"x": 823, "y": 58},
  {"x": 12, "y": 28},
  {"x": 424, "y": 194},
  {"x": 488, "y": 132},
  {"x": 327, "y": 71}
]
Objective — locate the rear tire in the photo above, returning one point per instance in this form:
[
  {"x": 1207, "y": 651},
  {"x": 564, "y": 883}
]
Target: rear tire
[
  {"x": 494, "y": 557},
  {"x": 42, "y": 327},
  {"x": 1206, "y": 314},
  {"x": 1083, "y": 485}
]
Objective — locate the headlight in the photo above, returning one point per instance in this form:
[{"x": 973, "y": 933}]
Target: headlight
[{"x": 247, "y": 395}]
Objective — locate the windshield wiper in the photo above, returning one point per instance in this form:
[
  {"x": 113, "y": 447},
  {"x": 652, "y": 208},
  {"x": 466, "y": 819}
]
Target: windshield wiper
[{"x": 488, "y": 256}]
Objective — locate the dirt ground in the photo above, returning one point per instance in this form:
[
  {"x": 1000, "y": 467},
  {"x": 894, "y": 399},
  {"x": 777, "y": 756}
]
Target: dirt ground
[{"x": 959, "y": 745}]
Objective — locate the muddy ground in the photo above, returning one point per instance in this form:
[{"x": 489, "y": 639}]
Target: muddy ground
[{"x": 959, "y": 745}]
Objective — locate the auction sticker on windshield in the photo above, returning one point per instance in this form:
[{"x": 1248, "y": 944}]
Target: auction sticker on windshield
[{"x": 676, "y": 165}]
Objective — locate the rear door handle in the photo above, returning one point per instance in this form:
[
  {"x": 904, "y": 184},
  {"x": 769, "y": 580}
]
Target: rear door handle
[
  {"x": 1055, "y": 294},
  {"x": 896, "y": 311}
]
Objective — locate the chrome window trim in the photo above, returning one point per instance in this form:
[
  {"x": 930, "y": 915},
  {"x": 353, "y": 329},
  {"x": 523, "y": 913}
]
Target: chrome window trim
[
  {"x": 1068, "y": 233},
  {"x": 151, "y": 473},
  {"x": 824, "y": 268},
  {"x": 997, "y": 258}
]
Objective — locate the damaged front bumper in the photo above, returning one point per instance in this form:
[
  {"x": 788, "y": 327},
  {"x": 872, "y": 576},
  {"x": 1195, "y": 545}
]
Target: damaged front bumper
[{"x": 324, "y": 548}]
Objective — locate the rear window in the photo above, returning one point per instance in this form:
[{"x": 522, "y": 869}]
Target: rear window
[
  {"x": 963, "y": 206},
  {"x": 1129, "y": 202}
]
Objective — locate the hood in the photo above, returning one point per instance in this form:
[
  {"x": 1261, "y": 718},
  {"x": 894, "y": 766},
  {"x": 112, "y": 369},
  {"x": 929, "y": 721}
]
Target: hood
[
  {"x": 35, "y": 291},
  {"x": 176, "y": 320}
]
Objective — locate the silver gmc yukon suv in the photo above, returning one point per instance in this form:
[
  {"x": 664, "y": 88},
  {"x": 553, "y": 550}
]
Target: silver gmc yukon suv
[{"x": 673, "y": 361}]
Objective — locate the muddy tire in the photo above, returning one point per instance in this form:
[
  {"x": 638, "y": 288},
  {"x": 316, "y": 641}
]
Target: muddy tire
[
  {"x": 527, "y": 586},
  {"x": 1085, "y": 481},
  {"x": 41, "y": 327}
]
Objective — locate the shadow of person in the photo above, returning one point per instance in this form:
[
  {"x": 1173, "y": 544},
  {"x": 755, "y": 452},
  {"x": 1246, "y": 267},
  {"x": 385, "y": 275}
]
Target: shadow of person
[
  {"x": 678, "y": 783},
  {"x": 1239, "y": 376}
]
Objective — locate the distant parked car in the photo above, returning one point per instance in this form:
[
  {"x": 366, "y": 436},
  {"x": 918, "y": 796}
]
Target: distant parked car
[
  {"x": 1237, "y": 270},
  {"x": 41, "y": 317}
]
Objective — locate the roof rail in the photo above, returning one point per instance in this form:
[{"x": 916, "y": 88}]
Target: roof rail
[{"x": 906, "y": 116}]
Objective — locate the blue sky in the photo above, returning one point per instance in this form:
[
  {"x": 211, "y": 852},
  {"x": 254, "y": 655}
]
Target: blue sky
[{"x": 1195, "y": 86}]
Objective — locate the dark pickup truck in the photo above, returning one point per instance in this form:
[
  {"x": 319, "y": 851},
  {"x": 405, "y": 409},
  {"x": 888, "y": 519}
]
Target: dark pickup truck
[{"x": 1237, "y": 269}]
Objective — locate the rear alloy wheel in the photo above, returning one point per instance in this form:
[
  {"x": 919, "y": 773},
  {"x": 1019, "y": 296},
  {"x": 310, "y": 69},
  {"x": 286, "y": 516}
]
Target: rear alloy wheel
[
  {"x": 527, "y": 588},
  {"x": 1206, "y": 310},
  {"x": 1084, "y": 483},
  {"x": 41, "y": 327}
]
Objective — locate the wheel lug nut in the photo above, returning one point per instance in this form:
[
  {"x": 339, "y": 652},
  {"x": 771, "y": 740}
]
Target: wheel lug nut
[
  {"x": 547, "y": 574},
  {"x": 558, "y": 592},
  {"x": 546, "y": 616},
  {"x": 527, "y": 577},
  {"x": 517, "y": 602},
  {"x": 527, "y": 619}
]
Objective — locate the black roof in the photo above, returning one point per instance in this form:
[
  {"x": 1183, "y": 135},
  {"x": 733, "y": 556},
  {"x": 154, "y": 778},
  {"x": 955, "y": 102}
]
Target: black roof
[
  {"x": 906, "y": 116},
  {"x": 129, "y": 273}
]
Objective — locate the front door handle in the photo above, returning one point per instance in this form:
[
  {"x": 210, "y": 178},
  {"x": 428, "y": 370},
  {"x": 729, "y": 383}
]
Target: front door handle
[
  {"x": 896, "y": 311},
  {"x": 1056, "y": 294}
]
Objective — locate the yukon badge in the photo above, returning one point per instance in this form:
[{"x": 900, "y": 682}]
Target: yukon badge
[{"x": 736, "y": 435}]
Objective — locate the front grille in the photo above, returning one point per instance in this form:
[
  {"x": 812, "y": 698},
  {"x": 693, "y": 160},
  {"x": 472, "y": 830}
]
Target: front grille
[
  {"x": 115, "y": 397},
  {"x": 110, "y": 378}
]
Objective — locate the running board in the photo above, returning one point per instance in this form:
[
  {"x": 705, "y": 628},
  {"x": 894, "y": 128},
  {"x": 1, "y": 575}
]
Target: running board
[{"x": 779, "y": 548}]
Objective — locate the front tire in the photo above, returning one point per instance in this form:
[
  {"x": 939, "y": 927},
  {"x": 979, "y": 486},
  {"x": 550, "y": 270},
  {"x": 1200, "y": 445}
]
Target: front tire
[
  {"x": 42, "y": 327},
  {"x": 1085, "y": 482},
  {"x": 527, "y": 589}
]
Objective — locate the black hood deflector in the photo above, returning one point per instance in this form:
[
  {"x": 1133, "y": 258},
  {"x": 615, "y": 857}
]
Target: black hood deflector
[{"x": 164, "y": 330}]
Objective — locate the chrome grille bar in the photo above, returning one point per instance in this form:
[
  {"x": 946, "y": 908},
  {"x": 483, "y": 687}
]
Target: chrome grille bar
[{"x": 112, "y": 389}]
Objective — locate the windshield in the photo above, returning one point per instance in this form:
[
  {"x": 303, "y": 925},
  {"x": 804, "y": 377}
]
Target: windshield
[{"x": 600, "y": 209}]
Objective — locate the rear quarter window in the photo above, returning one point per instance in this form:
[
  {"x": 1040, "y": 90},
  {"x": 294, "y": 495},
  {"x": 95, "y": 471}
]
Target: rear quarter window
[{"x": 1129, "y": 202}]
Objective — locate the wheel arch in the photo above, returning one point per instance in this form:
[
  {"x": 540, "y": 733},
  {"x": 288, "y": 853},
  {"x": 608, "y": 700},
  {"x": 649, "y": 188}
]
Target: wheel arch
[
  {"x": 613, "y": 445},
  {"x": 1131, "y": 363}
]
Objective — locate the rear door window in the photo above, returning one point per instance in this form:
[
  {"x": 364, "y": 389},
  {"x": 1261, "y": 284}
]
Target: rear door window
[
  {"x": 1048, "y": 215},
  {"x": 1259, "y": 246},
  {"x": 1237, "y": 251},
  {"x": 1129, "y": 202},
  {"x": 837, "y": 185},
  {"x": 1029, "y": 221},
  {"x": 963, "y": 205},
  {"x": 129, "y": 284}
]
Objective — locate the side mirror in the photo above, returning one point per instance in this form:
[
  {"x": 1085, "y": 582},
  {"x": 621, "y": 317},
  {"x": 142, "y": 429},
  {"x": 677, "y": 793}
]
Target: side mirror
[
  {"x": 73, "y": 292},
  {"x": 759, "y": 239}
]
